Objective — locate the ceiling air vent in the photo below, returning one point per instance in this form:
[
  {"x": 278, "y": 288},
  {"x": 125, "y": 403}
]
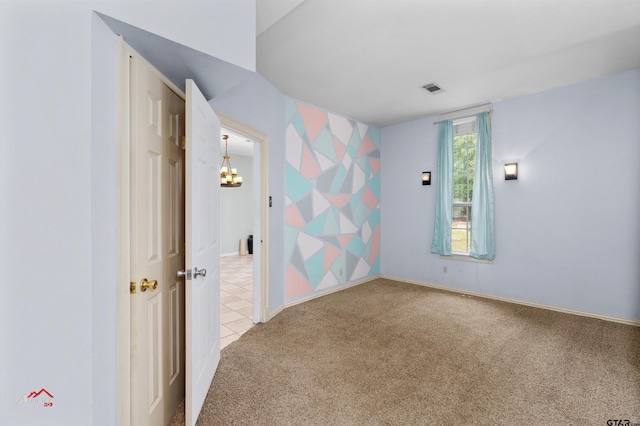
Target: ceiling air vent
[{"x": 432, "y": 88}]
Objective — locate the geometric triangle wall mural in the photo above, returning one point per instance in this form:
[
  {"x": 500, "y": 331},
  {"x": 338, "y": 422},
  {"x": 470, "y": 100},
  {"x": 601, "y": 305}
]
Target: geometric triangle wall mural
[{"x": 333, "y": 183}]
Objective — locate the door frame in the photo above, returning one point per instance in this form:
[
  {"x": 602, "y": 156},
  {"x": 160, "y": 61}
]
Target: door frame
[
  {"x": 262, "y": 212},
  {"x": 123, "y": 172}
]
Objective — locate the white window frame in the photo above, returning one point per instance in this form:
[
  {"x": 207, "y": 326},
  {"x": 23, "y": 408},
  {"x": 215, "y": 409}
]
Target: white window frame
[{"x": 461, "y": 127}]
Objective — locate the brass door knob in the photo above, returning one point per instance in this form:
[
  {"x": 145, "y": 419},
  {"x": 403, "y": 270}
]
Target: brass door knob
[{"x": 144, "y": 284}]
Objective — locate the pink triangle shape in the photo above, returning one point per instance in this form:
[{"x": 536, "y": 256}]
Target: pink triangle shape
[
  {"x": 293, "y": 217},
  {"x": 345, "y": 240},
  {"x": 339, "y": 200},
  {"x": 309, "y": 167},
  {"x": 340, "y": 148},
  {"x": 314, "y": 120},
  {"x": 296, "y": 284},
  {"x": 366, "y": 146},
  {"x": 375, "y": 165},
  {"x": 331, "y": 253},
  {"x": 375, "y": 246},
  {"x": 369, "y": 198}
]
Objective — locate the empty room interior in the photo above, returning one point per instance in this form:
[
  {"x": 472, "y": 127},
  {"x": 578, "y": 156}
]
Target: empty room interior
[{"x": 436, "y": 220}]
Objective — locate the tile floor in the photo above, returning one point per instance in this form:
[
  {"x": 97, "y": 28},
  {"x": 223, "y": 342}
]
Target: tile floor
[{"x": 236, "y": 297}]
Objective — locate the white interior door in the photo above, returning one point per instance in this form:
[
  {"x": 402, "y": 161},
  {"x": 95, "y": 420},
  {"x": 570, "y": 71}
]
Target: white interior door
[
  {"x": 157, "y": 196},
  {"x": 202, "y": 308},
  {"x": 174, "y": 249}
]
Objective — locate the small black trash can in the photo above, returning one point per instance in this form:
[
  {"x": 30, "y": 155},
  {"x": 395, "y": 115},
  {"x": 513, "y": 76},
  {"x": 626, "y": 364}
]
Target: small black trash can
[{"x": 250, "y": 244}]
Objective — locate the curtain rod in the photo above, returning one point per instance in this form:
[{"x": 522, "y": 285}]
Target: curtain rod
[{"x": 460, "y": 110}]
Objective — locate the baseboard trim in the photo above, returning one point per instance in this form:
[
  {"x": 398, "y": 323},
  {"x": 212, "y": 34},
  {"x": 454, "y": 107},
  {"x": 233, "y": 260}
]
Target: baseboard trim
[
  {"x": 321, "y": 293},
  {"x": 270, "y": 315},
  {"x": 516, "y": 301},
  {"x": 235, "y": 253}
]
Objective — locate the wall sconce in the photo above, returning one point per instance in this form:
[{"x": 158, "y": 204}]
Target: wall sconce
[
  {"x": 511, "y": 171},
  {"x": 426, "y": 178}
]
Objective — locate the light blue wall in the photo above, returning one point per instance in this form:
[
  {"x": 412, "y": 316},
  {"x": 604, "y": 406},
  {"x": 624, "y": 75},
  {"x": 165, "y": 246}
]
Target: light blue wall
[
  {"x": 58, "y": 204},
  {"x": 566, "y": 230},
  {"x": 104, "y": 208},
  {"x": 260, "y": 105},
  {"x": 236, "y": 207}
]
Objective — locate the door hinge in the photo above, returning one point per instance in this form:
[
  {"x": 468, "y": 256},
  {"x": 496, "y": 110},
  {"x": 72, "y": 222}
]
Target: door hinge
[{"x": 132, "y": 287}]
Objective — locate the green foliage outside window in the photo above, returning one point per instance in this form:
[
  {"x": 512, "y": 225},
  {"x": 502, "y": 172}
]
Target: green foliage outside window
[{"x": 464, "y": 157}]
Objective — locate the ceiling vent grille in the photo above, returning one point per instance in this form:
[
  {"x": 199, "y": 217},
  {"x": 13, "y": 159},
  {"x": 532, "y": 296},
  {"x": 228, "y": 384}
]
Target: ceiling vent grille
[{"x": 432, "y": 88}]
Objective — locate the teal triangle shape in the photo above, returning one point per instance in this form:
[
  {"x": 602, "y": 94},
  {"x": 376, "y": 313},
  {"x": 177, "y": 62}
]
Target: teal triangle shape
[
  {"x": 315, "y": 268},
  {"x": 375, "y": 268},
  {"x": 363, "y": 162},
  {"x": 316, "y": 226},
  {"x": 298, "y": 124},
  {"x": 331, "y": 226},
  {"x": 374, "y": 219},
  {"x": 296, "y": 186},
  {"x": 374, "y": 185},
  {"x": 290, "y": 110},
  {"x": 324, "y": 145},
  {"x": 354, "y": 142},
  {"x": 360, "y": 214},
  {"x": 356, "y": 246},
  {"x": 341, "y": 173}
]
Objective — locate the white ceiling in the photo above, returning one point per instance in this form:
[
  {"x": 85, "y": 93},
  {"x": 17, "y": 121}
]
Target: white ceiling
[
  {"x": 238, "y": 144},
  {"x": 367, "y": 59}
]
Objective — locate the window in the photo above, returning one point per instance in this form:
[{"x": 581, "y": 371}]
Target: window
[
  {"x": 464, "y": 219},
  {"x": 464, "y": 159}
]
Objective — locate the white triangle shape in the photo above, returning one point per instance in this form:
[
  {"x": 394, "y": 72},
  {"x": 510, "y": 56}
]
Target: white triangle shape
[
  {"x": 341, "y": 128},
  {"x": 346, "y": 161},
  {"x": 320, "y": 204},
  {"x": 366, "y": 232},
  {"x": 308, "y": 245},
  {"x": 358, "y": 178},
  {"x": 361, "y": 271},
  {"x": 346, "y": 226},
  {"x": 362, "y": 128},
  {"x": 325, "y": 163},
  {"x": 327, "y": 281},
  {"x": 293, "y": 147}
]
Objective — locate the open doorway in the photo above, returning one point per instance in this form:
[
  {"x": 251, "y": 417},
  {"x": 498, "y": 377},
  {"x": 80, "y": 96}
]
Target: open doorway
[
  {"x": 258, "y": 150},
  {"x": 237, "y": 221}
]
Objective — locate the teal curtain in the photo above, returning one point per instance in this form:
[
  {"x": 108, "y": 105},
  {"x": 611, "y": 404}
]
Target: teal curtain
[
  {"x": 482, "y": 217},
  {"x": 441, "y": 243}
]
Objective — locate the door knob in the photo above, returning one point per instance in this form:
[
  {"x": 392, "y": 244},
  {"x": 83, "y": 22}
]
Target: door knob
[
  {"x": 181, "y": 273},
  {"x": 144, "y": 284},
  {"x": 200, "y": 272}
]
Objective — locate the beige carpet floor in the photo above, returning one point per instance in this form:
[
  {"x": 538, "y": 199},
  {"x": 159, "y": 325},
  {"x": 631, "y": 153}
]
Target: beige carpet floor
[{"x": 389, "y": 353}]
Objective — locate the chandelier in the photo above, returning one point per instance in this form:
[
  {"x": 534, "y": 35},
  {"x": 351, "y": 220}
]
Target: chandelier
[{"x": 228, "y": 175}]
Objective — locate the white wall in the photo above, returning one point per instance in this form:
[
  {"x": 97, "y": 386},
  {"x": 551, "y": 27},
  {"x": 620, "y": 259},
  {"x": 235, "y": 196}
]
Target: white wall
[
  {"x": 57, "y": 199},
  {"x": 566, "y": 230},
  {"x": 237, "y": 209}
]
